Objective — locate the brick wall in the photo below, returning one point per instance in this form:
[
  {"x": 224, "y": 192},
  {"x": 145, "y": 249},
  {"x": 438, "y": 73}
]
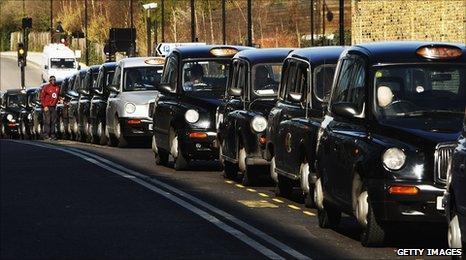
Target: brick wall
[{"x": 430, "y": 20}]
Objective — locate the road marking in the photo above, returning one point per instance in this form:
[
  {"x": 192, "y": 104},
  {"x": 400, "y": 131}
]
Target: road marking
[
  {"x": 257, "y": 204},
  {"x": 239, "y": 185},
  {"x": 278, "y": 200},
  {"x": 144, "y": 180},
  {"x": 251, "y": 190},
  {"x": 263, "y": 195},
  {"x": 229, "y": 182},
  {"x": 293, "y": 206},
  {"x": 309, "y": 213}
]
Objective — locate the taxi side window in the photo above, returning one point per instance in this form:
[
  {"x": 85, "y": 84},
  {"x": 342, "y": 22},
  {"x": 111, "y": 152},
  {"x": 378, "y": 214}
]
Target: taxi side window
[
  {"x": 297, "y": 82},
  {"x": 284, "y": 81},
  {"x": 117, "y": 78},
  {"x": 170, "y": 74},
  {"x": 242, "y": 73},
  {"x": 350, "y": 87},
  {"x": 233, "y": 75}
]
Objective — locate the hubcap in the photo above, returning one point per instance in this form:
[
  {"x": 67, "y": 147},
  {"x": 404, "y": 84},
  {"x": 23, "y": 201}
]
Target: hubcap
[
  {"x": 304, "y": 172},
  {"x": 319, "y": 195},
  {"x": 117, "y": 130},
  {"x": 362, "y": 208},
  {"x": 454, "y": 233},
  {"x": 273, "y": 174},
  {"x": 154, "y": 145},
  {"x": 99, "y": 129},
  {"x": 62, "y": 126},
  {"x": 242, "y": 160},
  {"x": 75, "y": 127},
  {"x": 174, "y": 147},
  {"x": 23, "y": 128}
]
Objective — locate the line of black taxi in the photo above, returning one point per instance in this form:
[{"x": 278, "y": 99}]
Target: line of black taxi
[{"x": 192, "y": 87}]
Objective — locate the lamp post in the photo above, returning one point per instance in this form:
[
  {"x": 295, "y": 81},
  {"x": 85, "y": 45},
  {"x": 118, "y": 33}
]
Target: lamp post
[
  {"x": 148, "y": 8},
  {"x": 163, "y": 20},
  {"x": 342, "y": 22},
  {"x": 224, "y": 36},
  {"x": 249, "y": 23},
  {"x": 193, "y": 22}
]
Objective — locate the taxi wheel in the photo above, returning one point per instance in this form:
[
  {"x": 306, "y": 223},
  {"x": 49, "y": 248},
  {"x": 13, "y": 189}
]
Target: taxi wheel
[
  {"x": 161, "y": 157},
  {"x": 230, "y": 170},
  {"x": 308, "y": 195},
  {"x": 119, "y": 134},
  {"x": 284, "y": 187},
  {"x": 101, "y": 135},
  {"x": 248, "y": 171},
  {"x": 328, "y": 216},
  {"x": 175, "y": 150},
  {"x": 273, "y": 174},
  {"x": 372, "y": 234},
  {"x": 24, "y": 133},
  {"x": 454, "y": 232}
]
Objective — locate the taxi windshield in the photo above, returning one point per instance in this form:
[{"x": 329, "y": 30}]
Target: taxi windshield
[
  {"x": 420, "y": 91},
  {"x": 206, "y": 78},
  {"x": 15, "y": 100},
  {"x": 59, "y": 63},
  {"x": 266, "y": 79},
  {"x": 141, "y": 78}
]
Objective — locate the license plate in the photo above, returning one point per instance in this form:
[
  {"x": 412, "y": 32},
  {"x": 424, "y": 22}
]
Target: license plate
[
  {"x": 151, "y": 127},
  {"x": 440, "y": 203}
]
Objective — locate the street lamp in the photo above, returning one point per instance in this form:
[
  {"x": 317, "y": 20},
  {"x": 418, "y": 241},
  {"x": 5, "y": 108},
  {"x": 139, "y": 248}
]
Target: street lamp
[{"x": 148, "y": 7}]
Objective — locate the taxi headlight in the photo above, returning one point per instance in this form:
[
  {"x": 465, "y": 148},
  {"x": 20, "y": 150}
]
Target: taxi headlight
[
  {"x": 29, "y": 116},
  {"x": 9, "y": 117},
  {"x": 191, "y": 116},
  {"x": 394, "y": 158},
  {"x": 130, "y": 108},
  {"x": 259, "y": 124}
]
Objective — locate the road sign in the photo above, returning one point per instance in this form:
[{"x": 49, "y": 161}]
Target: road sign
[{"x": 163, "y": 49}]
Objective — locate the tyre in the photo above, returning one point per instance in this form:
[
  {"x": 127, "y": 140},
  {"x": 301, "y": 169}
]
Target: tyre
[
  {"x": 230, "y": 170},
  {"x": 454, "y": 232},
  {"x": 61, "y": 128},
  {"x": 180, "y": 162},
  {"x": 284, "y": 187},
  {"x": 328, "y": 216},
  {"x": 273, "y": 174},
  {"x": 121, "y": 140},
  {"x": 248, "y": 171},
  {"x": 100, "y": 132},
  {"x": 111, "y": 140},
  {"x": 160, "y": 156},
  {"x": 373, "y": 234},
  {"x": 24, "y": 133},
  {"x": 87, "y": 130},
  {"x": 307, "y": 187}
]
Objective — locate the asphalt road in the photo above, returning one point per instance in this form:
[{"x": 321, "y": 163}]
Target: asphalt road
[
  {"x": 106, "y": 202},
  {"x": 10, "y": 74}
]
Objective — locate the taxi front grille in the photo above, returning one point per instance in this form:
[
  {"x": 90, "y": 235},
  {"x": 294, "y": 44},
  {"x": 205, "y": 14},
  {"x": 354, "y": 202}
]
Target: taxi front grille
[
  {"x": 443, "y": 153},
  {"x": 151, "y": 109}
]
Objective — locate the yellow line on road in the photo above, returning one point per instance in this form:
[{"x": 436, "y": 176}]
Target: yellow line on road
[
  {"x": 251, "y": 190},
  {"x": 293, "y": 206},
  {"x": 309, "y": 213},
  {"x": 263, "y": 195},
  {"x": 239, "y": 185},
  {"x": 229, "y": 182},
  {"x": 278, "y": 200}
]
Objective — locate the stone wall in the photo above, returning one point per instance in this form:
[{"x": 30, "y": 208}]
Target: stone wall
[{"x": 429, "y": 20}]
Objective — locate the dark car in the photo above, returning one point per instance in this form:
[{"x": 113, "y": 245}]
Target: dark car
[
  {"x": 62, "y": 110},
  {"x": 73, "y": 107},
  {"x": 455, "y": 195},
  {"x": 295, "y": 120},
  {"x": 100, "y": 94},
  {"x": 2, "y": 113},
  {"x": 251, "y": 93},
  {"x": 37, "y": 115},
  {"x": 395, "y": 113},
  {"x": 26, "y": 117},
  {"x": 69, "y": 96},
  {"x": 14, "y": 101},
  {"x": 84, "y": 102},
  {"x": 193, "y": 83}
]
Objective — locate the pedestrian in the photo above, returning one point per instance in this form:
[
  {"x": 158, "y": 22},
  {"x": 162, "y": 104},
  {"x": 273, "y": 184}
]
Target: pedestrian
[{"x": 49, "y": 99}]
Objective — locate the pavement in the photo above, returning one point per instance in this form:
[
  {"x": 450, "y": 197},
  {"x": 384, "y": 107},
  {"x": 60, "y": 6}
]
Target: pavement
[{"x": 66, "y": 199}]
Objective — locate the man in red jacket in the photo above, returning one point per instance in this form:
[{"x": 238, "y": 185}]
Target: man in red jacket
[{"x": 49, "y": 99}]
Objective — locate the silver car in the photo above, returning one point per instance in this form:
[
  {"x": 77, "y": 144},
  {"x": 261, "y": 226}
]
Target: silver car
[{"x": 131, "y": 100}]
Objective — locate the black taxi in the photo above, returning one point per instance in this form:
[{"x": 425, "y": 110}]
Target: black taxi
[
  {"x": 193, "y": 84},
  {"x": 455, "y": 195},
  {"x": 307, "y": 81},
  {"x": 99, "y": 100},
  {"x": 73, "y": 105},
  {"x": 13, "y": 102},
  {"x": 251, "y": 93},
  {"x": 84, "y": 102},
  {"x": 394, "y": 116},
  {"x": 26, "y": 117}
]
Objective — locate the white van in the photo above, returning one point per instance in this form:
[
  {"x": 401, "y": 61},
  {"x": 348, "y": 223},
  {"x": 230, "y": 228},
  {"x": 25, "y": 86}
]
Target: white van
[{"x": 58, "y": 60}]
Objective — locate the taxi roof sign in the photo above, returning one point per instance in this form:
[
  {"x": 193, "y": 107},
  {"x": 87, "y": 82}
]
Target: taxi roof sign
[
  {"x": 155, "y": 61},
  {"x": 223, "y": 51},
  {"x": 439, "y": 52}
]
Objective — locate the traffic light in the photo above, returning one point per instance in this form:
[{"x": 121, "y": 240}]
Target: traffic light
[
  {"x": 22, "y": 53},
  {"x": 26, "y": 23}
]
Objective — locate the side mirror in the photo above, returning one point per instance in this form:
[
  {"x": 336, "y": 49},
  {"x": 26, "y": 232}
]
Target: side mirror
[
  {"x": 235, "y": 92},
  {"x": 164, "y": 88},
  {"x": 46, "y": 67},
  {"x": 113, "y": 88},
  {"x": 295, "y": 96},
  {"x": 347, "y": 110}
]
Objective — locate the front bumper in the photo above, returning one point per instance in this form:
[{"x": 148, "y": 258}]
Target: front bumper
[
  {"x": 11, "y": 128},
  {"x": 205, "y": 148},
  {"x": 136, "y": 127},
  {"x": 421, "y": 207}
]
